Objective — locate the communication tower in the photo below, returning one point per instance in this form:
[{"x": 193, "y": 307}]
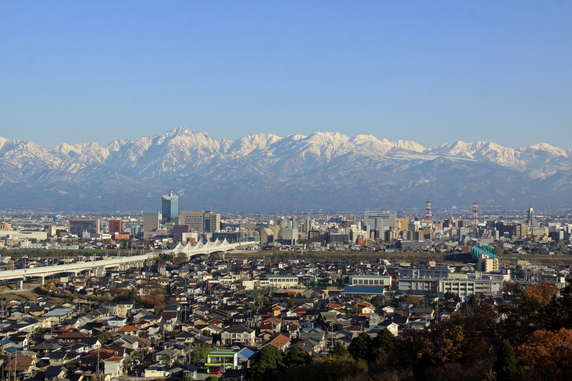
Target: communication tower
[
  {"x": 428, "y": 213},
  {"x": 475, "y": 213}
]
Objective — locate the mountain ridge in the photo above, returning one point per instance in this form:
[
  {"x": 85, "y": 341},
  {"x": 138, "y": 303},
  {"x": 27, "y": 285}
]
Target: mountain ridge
[{"x": 84, "y": 176}]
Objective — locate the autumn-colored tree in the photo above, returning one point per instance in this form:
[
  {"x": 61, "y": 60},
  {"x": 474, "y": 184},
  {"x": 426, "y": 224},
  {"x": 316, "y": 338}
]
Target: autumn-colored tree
[
  {"x": 527, "y": 314},
  {"x": 410, "y": 299},
  {"x": 182, "y": 257},
  {"x": 547, "y": 353},
  {"x": 154, "y": 295},
  {"x": 538, "y": 296},
  {"x": 485, "y": 319}
]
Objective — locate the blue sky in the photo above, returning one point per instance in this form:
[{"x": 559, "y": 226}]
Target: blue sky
[{"x": 432, "y": 72}]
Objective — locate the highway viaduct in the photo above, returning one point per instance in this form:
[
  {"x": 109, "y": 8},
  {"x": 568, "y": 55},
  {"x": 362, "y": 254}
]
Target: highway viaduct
[{"x": 99, "y": 268}]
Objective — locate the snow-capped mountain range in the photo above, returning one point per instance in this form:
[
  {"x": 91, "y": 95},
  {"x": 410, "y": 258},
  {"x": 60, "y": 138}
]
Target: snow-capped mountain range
[{"x": 265, "y": 172}]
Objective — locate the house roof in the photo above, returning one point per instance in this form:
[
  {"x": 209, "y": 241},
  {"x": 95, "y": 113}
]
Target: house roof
[
  {"x": 239, "y": 329},
  {"x": 279, "y": 341}
]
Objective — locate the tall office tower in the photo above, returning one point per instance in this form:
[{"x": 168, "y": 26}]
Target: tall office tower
[
  {"x": 151, "y": 221},
  {"x": 170, "y": 209},
  {"x": 530, "y": 218},
  {"x": 212, "y": 222}
]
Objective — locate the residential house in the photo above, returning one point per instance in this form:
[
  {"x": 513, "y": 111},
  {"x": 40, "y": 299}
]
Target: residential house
[{"x": 238, "y": 334}]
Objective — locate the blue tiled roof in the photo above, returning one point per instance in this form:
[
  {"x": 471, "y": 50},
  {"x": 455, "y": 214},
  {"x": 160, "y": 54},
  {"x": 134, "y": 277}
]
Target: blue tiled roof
[
  {"x": 245, "y": 353},
  {"x": 364, "y": 289}
]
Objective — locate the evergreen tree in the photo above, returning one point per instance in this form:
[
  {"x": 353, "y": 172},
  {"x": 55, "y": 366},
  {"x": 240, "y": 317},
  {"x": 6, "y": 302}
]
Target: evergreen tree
[
  {"x": 296, "y": 357},
  {"x": 559, "y": 312},
  {"x": 360, "y": 347},
  {"x": 383, "y": 343},
  {"x": 269, "y": 361},
  {"x": 474, "y": 302},
  {"x": 505, "y": 366},
  {"x": 340, "y": 350}
]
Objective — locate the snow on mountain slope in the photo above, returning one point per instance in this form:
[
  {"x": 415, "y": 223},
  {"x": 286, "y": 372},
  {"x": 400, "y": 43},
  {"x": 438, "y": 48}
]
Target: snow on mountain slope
[{"x": 266, "y": 164}]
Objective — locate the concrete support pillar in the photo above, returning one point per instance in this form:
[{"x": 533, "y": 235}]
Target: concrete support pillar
[
  {"x": 41, "y": 280},
  {"x": 19, "y": 284},
  {"x": 100, "y": 271}
]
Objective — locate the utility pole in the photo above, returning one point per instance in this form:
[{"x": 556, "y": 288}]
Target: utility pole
[{"x": 98, "y": 371}]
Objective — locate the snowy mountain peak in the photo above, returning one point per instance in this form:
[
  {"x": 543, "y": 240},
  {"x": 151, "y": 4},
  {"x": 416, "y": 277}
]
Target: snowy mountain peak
[
  {"x": 410, "y": 146},
  {"x": 554, "y": 151},
  {"x": 3, "y": 141}
]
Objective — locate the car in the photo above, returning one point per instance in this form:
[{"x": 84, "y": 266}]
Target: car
[{"x": 216, "y": 371}]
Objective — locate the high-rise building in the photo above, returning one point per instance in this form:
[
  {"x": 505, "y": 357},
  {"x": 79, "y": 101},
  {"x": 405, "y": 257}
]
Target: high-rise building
[
  {"x": 80, "y": 225},
  {"x": 530, "y": 217},
  {"x": 194, "y": 219},
  {"x": 115, "y": 226},
  {"x": 151, "y": 221},
  {"x": 170, "y": 207},
  {"x": 212, "y": 222},
  {"x": 381, "y": 221}
]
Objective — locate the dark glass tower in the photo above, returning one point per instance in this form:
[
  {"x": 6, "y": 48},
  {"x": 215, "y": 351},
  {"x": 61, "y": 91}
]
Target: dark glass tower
[{"x": 170, "y": 208}]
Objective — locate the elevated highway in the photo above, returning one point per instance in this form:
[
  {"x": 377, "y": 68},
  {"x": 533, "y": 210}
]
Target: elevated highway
[
  {"x": 99, "y": 268},
  {"x": 96, "y": 268}
]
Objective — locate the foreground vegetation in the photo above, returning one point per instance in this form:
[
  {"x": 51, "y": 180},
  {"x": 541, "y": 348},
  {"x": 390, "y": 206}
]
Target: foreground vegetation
[{"x": 533, "y": 341}]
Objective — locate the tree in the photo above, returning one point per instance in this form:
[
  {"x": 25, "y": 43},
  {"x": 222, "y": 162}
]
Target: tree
[
  {"x": 200, "y": 352},
  {"x": 547, "y": 353},
  {"x": 104, "y": 336},
  {"x": 340, "y": 350},
  {"x": 269, "y": 361},
  {"x": 326, "y": 369},
  {"x": 559, "y": 312},
  {"x": 473, "y": 301},
  {"x": 10, "y": 265},
  {"x": 528, "y": 313},
  {"x": 155, "y": 295},
  {"x": 134, "y": 297},
  {"x": 383, "y": 343},
  {"x": 182, "y": 257},
  {"x": 360, "y": 347},
  {"x": 296, "y": 357},
  {"x": 505, "y": 366}
]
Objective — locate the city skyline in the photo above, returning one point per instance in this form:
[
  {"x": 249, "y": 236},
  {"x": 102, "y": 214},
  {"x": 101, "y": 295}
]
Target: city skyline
[{"x": 429, "y": 73}]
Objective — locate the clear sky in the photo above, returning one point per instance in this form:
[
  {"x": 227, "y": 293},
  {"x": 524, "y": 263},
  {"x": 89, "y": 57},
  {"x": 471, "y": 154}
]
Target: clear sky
[{"x": 429, "y": 71}]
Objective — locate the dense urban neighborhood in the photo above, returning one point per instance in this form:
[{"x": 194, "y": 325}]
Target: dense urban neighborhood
[{"x": 378, "y": 297}]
